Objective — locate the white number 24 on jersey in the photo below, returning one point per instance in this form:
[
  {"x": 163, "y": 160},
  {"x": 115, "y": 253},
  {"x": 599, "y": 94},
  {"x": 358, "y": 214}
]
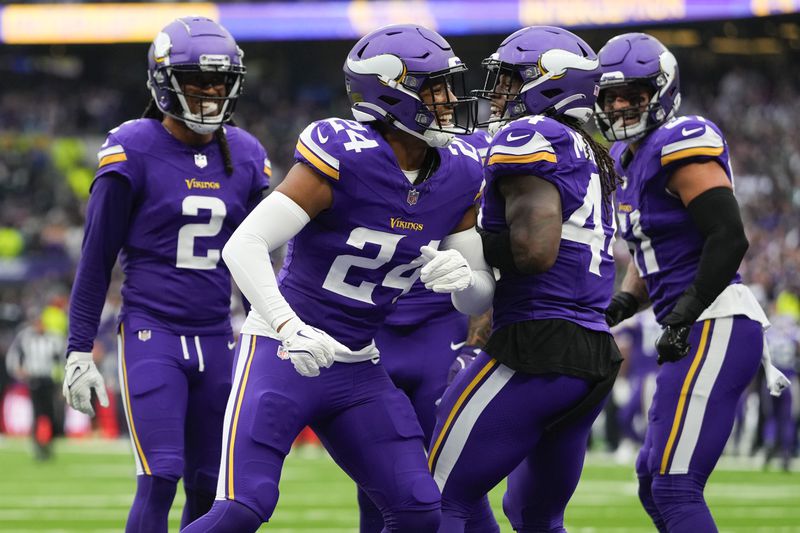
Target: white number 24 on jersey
[{"x": 401, "y": 277}]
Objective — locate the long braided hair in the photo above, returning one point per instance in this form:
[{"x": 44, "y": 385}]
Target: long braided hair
[
  {"x": 152, "y": 111},
  {"x": 605, "y": 163}
]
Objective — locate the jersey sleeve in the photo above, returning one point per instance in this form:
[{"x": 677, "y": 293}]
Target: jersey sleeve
[
  {"x": 525, "y": 150},
  {"x": 263, "y": 172},
  {"x": 693, "y": 140},
  {"x": 116, "y": 155},
  {"x": 317, "y": 147}
]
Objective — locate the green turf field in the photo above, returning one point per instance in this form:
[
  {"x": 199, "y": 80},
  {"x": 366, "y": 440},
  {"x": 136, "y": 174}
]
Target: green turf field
[{"x": 89, "y": 485}]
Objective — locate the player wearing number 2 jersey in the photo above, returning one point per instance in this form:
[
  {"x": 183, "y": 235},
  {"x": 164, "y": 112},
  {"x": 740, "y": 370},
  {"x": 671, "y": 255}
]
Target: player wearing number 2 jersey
[
  {"x": 169, "y": 191},
  {"x": 548, "y": 226},
  {"x": 682, "y": 223},
  {"x": 371, "y": 206}
]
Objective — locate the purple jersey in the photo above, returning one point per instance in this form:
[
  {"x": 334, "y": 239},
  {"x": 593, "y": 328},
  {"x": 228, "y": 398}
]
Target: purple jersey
[
  {"x": 666, "y": 243},
  {"x": 345, "y": 270},
  {"x": 578, "y": 287},
  {"x": 420, "y": 304},
  {"x": 185, "y": 208}
]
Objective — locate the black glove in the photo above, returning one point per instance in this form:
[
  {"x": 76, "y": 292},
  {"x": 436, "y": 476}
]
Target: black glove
[
  {"x": 623, "y": 305},
  {"x": 673, "y": 344}
]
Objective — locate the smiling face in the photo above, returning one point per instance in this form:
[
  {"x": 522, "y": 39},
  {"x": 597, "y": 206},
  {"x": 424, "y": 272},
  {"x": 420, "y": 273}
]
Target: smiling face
[
  {"x": 507, "y": 88},
  {"x": 440, "y": 100},
  {"x": 201, "y": 90},
  {"x": 626, "y": 102}
]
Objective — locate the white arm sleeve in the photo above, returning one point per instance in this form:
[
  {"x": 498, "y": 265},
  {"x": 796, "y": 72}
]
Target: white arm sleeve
[
  {"x": 268, "y": 227},
  {"x": 477, "y": 298}
]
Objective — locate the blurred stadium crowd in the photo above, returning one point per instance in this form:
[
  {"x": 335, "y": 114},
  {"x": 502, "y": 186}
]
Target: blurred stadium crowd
[{"x": 58, "y": 102}]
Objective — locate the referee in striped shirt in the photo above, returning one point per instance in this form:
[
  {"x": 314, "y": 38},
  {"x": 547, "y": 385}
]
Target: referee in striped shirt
[{"x": 33, "y": 356}]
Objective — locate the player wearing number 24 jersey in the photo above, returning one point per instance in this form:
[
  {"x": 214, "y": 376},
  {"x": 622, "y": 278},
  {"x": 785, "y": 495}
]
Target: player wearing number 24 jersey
[
  {"x": 370, "y": 206},
  {"x": 168, "y": 193},
  {"x": 548, "y": 225},
  {"x": 419, "y": 343}
]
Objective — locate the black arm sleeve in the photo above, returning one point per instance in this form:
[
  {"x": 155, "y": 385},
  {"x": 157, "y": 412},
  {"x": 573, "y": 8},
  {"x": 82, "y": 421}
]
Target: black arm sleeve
[
  {"x": 715, "y": 212},
  {"x": 497, "y": 250}
]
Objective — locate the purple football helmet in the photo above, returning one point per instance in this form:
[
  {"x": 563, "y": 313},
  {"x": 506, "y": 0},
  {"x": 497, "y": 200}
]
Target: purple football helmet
[
  {"x": 195, "y": 51},
  {"x": 557, "y": 73},
  {"x": 637, "y": 62},
  {"x": 388, "y": 72}
]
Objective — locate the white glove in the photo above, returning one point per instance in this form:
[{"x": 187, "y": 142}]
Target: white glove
[
  {"x": 776, "y": 381},
  {"x": 80, "y": 378},
  {"x": 308, "y": 348},
  {"x": 445, "y": 270}
]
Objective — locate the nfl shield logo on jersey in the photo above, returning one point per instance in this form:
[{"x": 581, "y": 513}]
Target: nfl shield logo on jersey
[
  {"x": 412, "y": 197},
  {"x": 144, "y": 335},
  {"x": 200, "y": 160}
]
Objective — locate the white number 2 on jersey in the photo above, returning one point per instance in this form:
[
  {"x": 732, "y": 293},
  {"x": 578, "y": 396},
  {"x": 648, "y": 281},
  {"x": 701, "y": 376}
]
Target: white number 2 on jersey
[
  {"x": 188, "y": 233},
  {"x": 396, "y": 278},
  {"x": 595, "y": 237}
]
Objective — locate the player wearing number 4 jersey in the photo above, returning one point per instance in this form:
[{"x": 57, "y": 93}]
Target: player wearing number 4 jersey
[
  {"x": 528, "y": 403},
  {"x": 169, "y": 191},
  {"x": 371, "y": 206},
  {"x": 681, "y": 220}
]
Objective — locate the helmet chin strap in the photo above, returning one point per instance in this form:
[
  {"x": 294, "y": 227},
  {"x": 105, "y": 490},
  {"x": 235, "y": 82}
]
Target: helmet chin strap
[
  {"x": 433, "y": 138},
  {"x": 203, "y": 129}
]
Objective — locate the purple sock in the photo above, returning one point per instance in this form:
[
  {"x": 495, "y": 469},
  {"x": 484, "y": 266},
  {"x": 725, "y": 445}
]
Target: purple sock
[
  {"x": 226, "y": 516},
  {"x": 680, "y": 501},
  {"x": 482, "y": 519},
  {"x": 151, "y": 505},
  {"x": 419, "y": 521},
  {"x": 370, "y": 518},
  {"x": 198, "y": 503},
  {"x": 646, "y": 497}
]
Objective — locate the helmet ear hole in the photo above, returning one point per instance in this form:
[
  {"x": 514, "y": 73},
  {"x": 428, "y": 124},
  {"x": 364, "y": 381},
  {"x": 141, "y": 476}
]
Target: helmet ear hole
[
  {"x": 551, "y": 93},
  {"x": 391, "y": 100}
]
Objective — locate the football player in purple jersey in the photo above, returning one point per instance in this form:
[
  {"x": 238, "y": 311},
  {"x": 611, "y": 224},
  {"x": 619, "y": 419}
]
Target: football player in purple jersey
[
  {"x": 528, "y": 403},
  {"x": 636, "y": 338},
  {"x": 371, "y": 206},
  {"x": 780, "y": 426},
  {"x": 422, "y": 344},
  {"x": 680, "y": 218},
  {"x": 169, "y": 191}
]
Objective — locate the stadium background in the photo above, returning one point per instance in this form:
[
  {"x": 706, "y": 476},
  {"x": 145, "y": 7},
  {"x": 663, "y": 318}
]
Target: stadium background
[{"x": 738, "y": 62}]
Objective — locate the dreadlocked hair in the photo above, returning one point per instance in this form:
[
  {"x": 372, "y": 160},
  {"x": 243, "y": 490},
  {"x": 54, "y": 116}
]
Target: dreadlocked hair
[
  {"x": 222, "y": 140},
  {"x": 605, "y": 164},
  {"x": 152, "y": 111}
]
